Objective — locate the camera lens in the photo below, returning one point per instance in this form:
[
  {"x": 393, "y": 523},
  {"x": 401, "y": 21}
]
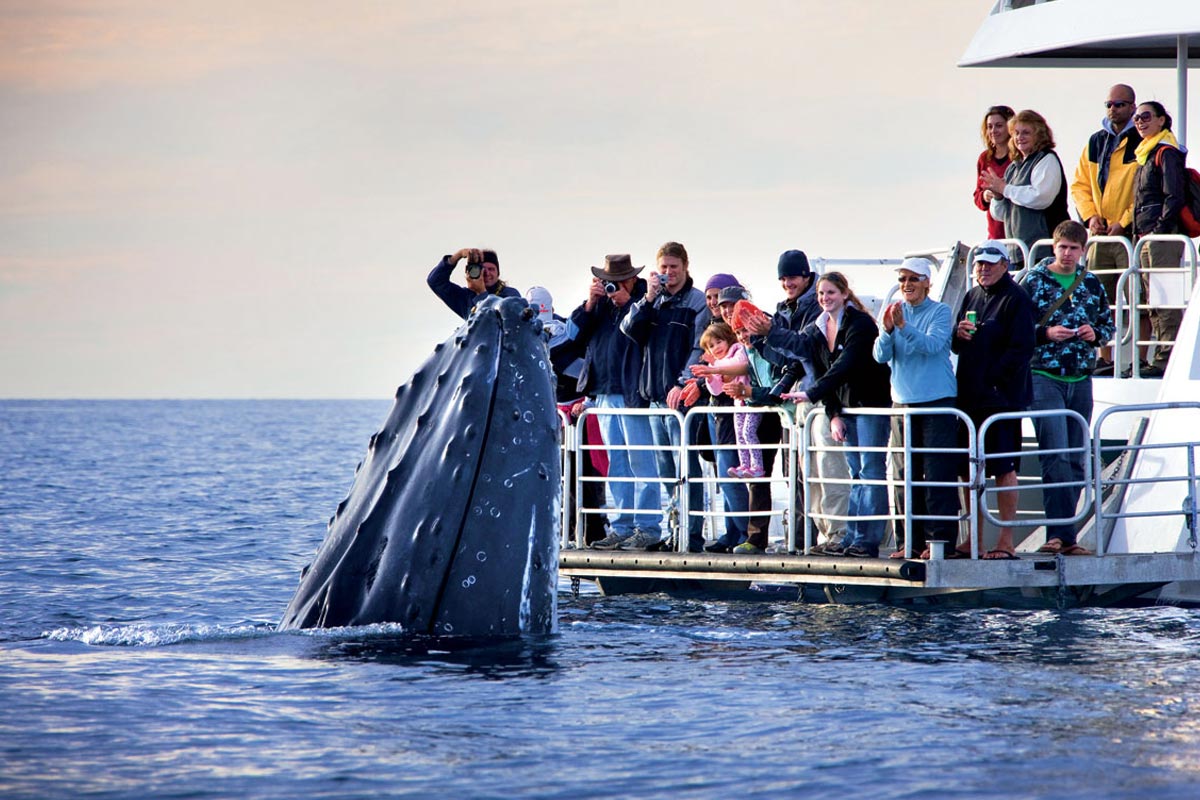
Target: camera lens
[
  {"x": 610, "y": 287},
  {"x": 474, "y": 270}
]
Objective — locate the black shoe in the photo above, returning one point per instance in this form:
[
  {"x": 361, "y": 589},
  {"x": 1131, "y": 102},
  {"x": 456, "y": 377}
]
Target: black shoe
[
  {"x": 1153, "y": 371},
  {"x": 833, "y": 549},
  {"x": 1143, "y": 371},
  {"x": 719, "y": 546},
  {"x": 859, "y": 552},
  {"x": 1103, "y": 367}
]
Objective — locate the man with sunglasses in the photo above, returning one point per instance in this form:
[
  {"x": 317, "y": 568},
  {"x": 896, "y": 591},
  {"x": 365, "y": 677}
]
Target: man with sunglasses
[
  {"x": 1103, "y": 193},
  {"x": 994, "y": 340}
]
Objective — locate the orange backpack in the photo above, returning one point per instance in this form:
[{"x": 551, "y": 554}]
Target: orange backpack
[{"x": 1189, "y": 217}]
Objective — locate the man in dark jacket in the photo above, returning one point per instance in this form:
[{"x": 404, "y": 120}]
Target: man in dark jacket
[
  {"x": 799, "y": 308},
  {"x": 666, "y": 325},
  {"x": 994, "y": 339},
  {"x": 612, "y": 363},
  {"x": 483, "y": 278}
]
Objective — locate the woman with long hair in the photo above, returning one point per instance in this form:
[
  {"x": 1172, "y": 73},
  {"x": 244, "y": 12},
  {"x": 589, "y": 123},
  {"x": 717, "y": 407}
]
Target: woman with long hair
[
  {"x": 847, "y": 377},
  {"x": 993, "y": 160},
  {"x": 1031, "y": 198},
  {"x": 1158, "y": 199}
]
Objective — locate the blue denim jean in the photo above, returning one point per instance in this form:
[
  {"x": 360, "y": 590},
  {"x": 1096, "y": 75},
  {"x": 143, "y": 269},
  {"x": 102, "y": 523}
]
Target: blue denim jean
[
  {"x": 640, "y": 498},
  {"x": 866, "y": 499},
  {"x": 1056, "y": 433},
  {"x": 735, "y": 494},
  {"x": 665, "y": 431}
]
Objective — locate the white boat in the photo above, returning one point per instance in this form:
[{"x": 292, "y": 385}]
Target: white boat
[{"x": 1142, "y": 516}]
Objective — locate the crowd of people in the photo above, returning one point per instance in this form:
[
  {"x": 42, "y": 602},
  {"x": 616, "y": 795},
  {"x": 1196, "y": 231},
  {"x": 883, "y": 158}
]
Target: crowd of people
[
  {"x": 1129, "y": 183},
  {"x": 656, "y": 339}
]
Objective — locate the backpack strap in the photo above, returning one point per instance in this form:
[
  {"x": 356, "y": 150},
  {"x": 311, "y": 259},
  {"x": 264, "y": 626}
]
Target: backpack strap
[{"x": 1062, "y": 298}]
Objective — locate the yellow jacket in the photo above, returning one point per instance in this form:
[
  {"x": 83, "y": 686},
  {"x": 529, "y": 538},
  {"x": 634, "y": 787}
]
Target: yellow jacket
[{"x": 1115, "y": 203}]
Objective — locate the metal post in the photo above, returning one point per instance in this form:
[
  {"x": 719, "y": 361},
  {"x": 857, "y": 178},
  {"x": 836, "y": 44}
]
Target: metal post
[{"x": 1181, "y": 71}]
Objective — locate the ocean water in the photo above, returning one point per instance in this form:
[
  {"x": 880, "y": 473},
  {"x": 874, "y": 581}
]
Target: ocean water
[{"x": 147, "y": 550}]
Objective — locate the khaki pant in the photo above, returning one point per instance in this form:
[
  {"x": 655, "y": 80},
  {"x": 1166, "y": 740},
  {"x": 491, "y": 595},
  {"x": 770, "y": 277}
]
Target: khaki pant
[
  {"x": 826, "y": 499},
  {"x": 1164, "y": 322}
]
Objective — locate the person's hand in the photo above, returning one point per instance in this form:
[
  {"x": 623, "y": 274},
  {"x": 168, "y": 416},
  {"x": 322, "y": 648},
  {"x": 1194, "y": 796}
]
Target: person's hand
[
  {"x": 1097, "y": 225},
  {"x": 758, "y": 324},
  {"x": 1116, "y": 229},
  {"x": 620, "y": 297},
  {"x": 476, "y": 284},
  {"x": 798, "y": 397},
  {"x": 1086, "y": 332},
  {"x": 1061, "y": 333},
  {"x": 894, "y": 316},
  {"x": 674, "y": 397},
  {"x": 595, "y": 294},
  {"x": 837, "y": 429},
  {"x": 700, "y": 370},
  {"x": 578, "y": 409},
  {"x": 459, "y": 255},
  {"x": 652, "y": 287},
  {"x": 988, "y": 195},
  {"x": 994, "y": 182},
  {"x": 965, "y": 330},
  {"x": 738, "y": 391},
  {"x": 690, "y": 394}
]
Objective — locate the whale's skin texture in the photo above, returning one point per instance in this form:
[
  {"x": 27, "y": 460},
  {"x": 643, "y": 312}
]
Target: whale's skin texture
[{"x": 451, "y": 525}]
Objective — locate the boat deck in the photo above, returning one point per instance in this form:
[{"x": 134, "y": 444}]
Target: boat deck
[{"x": 1059, "y": 580}]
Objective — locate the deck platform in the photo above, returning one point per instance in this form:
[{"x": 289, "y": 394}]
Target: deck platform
[{"x": 1033, "y": 579}]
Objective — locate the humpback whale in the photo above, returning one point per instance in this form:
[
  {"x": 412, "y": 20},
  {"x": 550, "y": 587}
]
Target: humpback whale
[{"x": 451, "y": 525}]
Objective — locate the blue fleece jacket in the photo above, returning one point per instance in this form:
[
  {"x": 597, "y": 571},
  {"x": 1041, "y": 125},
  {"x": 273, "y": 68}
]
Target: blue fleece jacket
[{"x": 919, "y": 354}]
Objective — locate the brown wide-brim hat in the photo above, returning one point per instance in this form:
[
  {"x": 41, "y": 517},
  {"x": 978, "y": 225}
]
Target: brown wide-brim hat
[{"x": 617, "y": 268}]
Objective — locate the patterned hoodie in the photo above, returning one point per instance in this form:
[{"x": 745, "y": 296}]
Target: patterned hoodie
[{"x": 1088, "y": 305}]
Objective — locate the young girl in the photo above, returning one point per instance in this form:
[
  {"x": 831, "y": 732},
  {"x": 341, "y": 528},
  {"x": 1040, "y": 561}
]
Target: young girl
[{"x": 726, "y": 363}]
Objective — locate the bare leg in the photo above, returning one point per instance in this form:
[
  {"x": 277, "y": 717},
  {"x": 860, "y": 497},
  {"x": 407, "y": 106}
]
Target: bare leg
[{"x": 1007, "y": 503}]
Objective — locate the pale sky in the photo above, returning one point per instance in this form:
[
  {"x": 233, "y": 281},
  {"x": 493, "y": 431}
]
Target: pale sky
[{"x": 231, "y": 199}]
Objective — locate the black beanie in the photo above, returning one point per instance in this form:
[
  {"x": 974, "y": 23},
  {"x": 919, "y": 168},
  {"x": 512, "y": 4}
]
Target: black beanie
[{"x": 794, "y": 262}]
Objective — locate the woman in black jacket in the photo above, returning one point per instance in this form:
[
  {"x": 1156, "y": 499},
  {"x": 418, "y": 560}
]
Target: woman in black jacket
[
  {"x": 1158, "y": 199},
  {"x": 839, "y": 342}
]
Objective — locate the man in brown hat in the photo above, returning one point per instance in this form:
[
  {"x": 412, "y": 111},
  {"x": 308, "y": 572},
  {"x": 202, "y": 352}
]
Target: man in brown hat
[{"x": 610, "y": 378}]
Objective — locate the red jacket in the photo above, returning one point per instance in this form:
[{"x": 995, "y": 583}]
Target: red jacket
[{"x": 995, "y": 227}]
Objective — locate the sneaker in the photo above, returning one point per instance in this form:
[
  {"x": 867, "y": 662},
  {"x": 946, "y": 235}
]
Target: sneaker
[
  {"x": 640, "y": 541},
  {"x": 855, "y": 551},
  {"x": 1103, "y": 367},
  {"x": 828, "y": 549},
  {"x": 719, "y": 546},
  {"x": 745, "y": 548},
  {"x": 752, "y": 472},
  {"x": 736, "y": 472},
  {"x": 1153, "y": 371},
  {"x": 779, "y": 548},
  {"x": 610, "y": 542}
]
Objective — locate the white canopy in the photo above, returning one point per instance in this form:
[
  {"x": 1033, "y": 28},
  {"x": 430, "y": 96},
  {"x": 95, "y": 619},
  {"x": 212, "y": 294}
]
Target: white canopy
[{"x": 1091, "y": 33}]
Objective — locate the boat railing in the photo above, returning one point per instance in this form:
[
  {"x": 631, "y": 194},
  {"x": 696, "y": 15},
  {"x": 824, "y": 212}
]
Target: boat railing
[
  {"x": 666, "y": 455},
  {"x": 785, "y": 450},
  {"x": 1082, "y": 453},
  {"x": 1163, "y": 467},
  {"x": 797, "y": 447},
  {"x": 900, "y": 454},
  {"x": 1167, "y": 287}
]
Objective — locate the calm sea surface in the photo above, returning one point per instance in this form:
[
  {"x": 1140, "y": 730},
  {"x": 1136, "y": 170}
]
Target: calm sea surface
[{"x": 148, "y": 548}]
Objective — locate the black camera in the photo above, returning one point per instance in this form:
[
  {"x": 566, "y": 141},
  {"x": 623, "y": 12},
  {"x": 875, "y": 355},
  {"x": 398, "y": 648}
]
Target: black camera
[
  {"x": 474, "y": 270},
  {"x": 610, "y": 287}
]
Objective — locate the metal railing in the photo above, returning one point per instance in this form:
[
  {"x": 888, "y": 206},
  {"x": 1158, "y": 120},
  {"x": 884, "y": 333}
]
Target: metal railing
[
  {"x": 1176, "y": 282},
  {"x": 796, "y": 448},
  {"x": 1160, "y": 474}
]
